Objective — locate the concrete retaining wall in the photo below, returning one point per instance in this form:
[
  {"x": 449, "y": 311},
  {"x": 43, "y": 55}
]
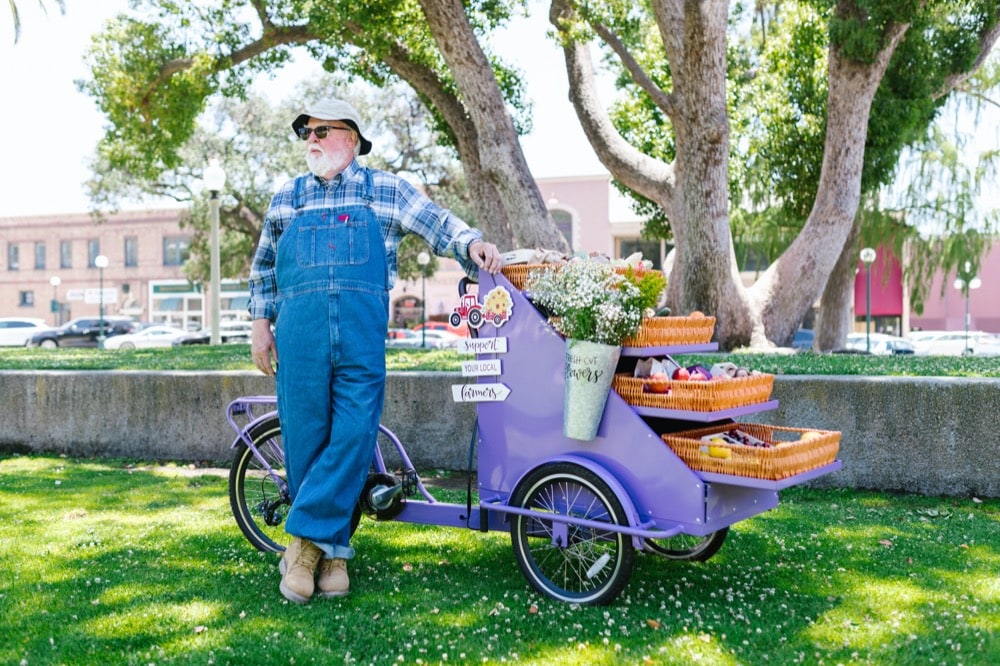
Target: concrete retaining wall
[{"x": 935, "y": 436}]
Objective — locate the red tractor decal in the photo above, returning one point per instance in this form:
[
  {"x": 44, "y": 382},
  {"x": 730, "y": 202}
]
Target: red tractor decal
[{"x": 470, "y": 310}]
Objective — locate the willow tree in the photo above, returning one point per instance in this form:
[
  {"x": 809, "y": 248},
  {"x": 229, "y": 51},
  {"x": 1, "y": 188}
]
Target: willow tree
[{"x": 675, "y": 56}]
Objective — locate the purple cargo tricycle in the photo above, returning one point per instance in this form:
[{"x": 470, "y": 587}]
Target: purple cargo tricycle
[{"x": 577, "y": 511}]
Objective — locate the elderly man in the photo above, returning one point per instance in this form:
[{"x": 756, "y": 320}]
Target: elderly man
[{"x": 321, "y": 274}]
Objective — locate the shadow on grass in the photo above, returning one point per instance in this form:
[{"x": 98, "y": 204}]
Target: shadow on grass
[{"x": 107, "y": 564}]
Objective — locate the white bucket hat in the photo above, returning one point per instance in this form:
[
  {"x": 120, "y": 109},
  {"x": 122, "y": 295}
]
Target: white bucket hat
[{"x": 334, "y": 109}]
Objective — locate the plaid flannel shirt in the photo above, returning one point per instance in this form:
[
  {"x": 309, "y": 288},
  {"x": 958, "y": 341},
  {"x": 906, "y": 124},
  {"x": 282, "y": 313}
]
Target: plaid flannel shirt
[{"x": 398, "y": 206}]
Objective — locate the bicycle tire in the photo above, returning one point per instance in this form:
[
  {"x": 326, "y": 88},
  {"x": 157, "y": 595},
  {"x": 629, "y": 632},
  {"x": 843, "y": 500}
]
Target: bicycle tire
[
  {"x": 593, "y": 566},
  {"x": 259, "y": 500}
]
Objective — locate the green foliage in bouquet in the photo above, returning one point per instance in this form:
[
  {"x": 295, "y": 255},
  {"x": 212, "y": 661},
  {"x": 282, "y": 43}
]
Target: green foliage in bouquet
[{"x": 650, "y": 282}]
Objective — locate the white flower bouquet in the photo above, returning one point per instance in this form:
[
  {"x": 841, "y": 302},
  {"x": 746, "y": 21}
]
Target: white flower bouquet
[{"x": 588, "y": 300}]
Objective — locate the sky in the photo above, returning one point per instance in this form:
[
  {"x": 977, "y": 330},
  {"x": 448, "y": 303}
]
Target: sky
[{"x": 48, "y": 129}]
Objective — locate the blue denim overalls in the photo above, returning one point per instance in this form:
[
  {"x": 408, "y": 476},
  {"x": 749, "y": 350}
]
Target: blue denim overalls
[{"x": 333, "y": 310}]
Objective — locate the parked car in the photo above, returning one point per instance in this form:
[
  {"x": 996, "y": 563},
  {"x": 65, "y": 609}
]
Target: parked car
[
  {"x": 229, "y": 331},
  {"x": 461, "y": 330},
  {"x": 437, "y": 339},
  {"x": 150, "y": 336},
  {"x": 82, "y": 332},
  {"x": 401, "y": 338},
  {"x": 881, "y": 344},
  {"x": 954, "y": 343},
  {"x": 804, "y": 339},
  {"x": 16, "y": 331}
]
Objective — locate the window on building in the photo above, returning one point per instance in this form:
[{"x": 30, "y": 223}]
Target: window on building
[
  {"x": 13, "y": 257},
  {"x": 131, "y": 251},
  {"x": 40, "y": 256},
  {"x": 176, "y": 250},
  {"x": 65, "y": 254},
  {"x": 564, "y": 223},
  {"x": 652, "y": 250},
  {"x": 93, "y": 251},
  {"x": 26, "y": 299}
]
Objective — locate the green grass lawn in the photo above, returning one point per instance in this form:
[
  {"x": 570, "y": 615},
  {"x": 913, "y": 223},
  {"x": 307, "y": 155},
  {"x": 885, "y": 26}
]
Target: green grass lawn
[
  {"x": 119, "y": 562},
  {"x": 237, "y": 357}
]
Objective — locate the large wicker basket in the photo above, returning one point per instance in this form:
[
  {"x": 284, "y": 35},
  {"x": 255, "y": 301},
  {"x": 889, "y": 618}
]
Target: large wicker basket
[
  {"x": 710, "y": 396},
  {"x": 665, "y": 331},
  {"x": 518, "y": 273},
  {"x": 789, "y": 455}
]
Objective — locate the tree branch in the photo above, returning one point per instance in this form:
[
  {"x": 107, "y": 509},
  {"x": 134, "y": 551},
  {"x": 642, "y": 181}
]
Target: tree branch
[
  {"x": 643, "y": 174},
  {"x": 986, "y": 43},
  {"x": 662, "y": 100}
]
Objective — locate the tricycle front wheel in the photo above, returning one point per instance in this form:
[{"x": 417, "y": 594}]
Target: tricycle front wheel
[{"x": 570, "y": 561}]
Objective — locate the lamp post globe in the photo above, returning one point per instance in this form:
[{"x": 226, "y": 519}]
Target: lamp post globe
[
  {"x": 101, "y": 262},
  {"x": 423, "y": 259},
  {"x": 215, "y": 179},
  {"x": 868, "y": 256}
]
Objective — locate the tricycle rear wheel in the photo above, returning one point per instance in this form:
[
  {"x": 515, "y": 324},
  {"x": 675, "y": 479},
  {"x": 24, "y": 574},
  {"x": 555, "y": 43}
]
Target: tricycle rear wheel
[
  {"x": 570, "y": 561},
  {"x": 688, "y": 547}
]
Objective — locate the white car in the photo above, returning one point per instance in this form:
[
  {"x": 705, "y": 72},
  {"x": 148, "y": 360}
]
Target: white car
[
  {"x": 151, "y": 336},
  {"x": 881, "y": 344},
  {"x": 16, "y": 331},
  {"x": 954, "y": 343},
  {"x": 437, "y": 339}
]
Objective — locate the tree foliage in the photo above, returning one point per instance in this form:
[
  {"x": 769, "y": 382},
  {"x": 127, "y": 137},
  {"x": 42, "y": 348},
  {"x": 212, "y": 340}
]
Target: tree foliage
[{"x": 154, "y": 71}]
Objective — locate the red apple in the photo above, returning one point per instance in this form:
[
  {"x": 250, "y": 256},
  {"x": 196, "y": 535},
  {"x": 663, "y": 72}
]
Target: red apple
[
  {"x": 682, "y": 375},
  {"x": 658, "y": 383}
]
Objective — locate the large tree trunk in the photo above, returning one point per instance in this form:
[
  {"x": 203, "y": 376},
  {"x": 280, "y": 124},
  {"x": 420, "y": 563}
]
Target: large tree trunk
[
  {"x": 694, "y": 192},
  {"x": 835, "y": 319},
  {"x": 794, "y": 282},
  {"x": 499, "y": 155}
]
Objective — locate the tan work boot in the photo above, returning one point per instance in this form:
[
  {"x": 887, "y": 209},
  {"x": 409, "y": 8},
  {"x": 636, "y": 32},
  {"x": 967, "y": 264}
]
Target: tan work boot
[
  {"x": 298, "y": 570},
  {"x": 333, "y": 580}
]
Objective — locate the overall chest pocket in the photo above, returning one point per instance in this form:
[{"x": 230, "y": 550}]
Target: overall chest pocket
[{"x": 341, "y": 243}]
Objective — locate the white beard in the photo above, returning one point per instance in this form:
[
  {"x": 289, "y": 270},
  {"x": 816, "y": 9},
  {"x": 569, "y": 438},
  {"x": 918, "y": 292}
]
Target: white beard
[{"x": 327, "y": 165}]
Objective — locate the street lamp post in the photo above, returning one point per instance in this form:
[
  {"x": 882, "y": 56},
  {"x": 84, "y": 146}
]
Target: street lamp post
[
  {"x": 101, "y": 262},
  {"x": 55, "y": 281},
  {"x": 215, "y": 180},
  {"x": 868, "y": 256},
  {"x": 965, "y": 284},
  {"x": 423, "y": 259}
]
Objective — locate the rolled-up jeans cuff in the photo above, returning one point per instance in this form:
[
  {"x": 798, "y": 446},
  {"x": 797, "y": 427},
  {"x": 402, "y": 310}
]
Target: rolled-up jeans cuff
[{"x": 331, "y": 551}]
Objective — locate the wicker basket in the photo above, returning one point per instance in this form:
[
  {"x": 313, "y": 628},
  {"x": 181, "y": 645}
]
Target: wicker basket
[
  {"x": 710, "y": 396},
  {"x": 789, "y": 456},
  {"x": 518, "y": 273},
  {"x": 657, "y": 331}
]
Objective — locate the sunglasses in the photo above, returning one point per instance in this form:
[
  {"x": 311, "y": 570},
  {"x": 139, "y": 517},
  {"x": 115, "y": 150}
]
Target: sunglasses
[{"x": 320, "y": 131}]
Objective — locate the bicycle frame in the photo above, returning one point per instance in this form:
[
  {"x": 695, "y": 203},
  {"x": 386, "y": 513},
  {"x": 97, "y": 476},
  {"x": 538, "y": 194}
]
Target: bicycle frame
[{"x": 424, "y": 511}]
